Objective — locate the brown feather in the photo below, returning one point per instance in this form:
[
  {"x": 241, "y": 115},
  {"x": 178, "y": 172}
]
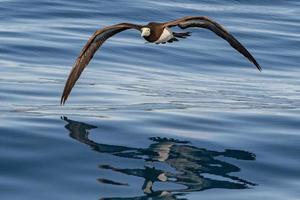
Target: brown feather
[
  {"x": 205, "y": 22},
  {"x": 88, "y": 51}
]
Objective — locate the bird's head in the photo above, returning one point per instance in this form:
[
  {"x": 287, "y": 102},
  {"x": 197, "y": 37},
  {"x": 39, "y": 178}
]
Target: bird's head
[{"x": 145, "y": 32}]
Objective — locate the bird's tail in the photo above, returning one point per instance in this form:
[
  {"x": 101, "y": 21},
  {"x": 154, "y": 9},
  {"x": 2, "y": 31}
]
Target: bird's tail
[{"x": 182, "y": 35}]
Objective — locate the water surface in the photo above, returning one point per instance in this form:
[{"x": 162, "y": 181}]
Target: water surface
[{"x": 186, "y": 120}]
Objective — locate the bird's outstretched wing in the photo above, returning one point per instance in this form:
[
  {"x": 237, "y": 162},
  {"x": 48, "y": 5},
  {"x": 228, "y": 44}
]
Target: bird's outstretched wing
[
  {"x": 88, "y": 51},
  {"x": 205, "y": 22}
]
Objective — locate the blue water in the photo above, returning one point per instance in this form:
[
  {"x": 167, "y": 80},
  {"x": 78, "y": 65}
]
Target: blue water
[{"x": 187, "y": 120}]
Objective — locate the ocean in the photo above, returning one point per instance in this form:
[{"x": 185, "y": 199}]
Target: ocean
[{"x": 188, "y": 120}]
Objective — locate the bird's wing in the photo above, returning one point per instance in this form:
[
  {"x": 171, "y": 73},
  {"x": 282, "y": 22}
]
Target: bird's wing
[
  {"x": 88, "y": 51},
  {"x": 205, "y": 22}
]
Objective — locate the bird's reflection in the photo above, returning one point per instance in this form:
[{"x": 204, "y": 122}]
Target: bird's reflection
[{"x": 194, "y": 168}]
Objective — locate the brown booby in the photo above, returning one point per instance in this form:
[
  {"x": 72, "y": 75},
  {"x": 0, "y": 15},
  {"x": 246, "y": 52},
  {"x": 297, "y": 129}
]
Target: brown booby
[{"x": 153, "y": 32}]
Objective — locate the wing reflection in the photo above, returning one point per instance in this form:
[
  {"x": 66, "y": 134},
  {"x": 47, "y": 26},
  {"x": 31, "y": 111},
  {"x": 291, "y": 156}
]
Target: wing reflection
[{"x": 194, "y": 168}]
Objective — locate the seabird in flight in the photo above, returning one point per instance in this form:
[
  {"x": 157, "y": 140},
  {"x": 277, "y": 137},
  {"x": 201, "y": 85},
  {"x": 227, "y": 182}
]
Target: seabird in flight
[{"x": 158, "y": 33}]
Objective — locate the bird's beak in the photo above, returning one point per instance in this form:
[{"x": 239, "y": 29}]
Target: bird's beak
[{"x": 144, "y": 32}]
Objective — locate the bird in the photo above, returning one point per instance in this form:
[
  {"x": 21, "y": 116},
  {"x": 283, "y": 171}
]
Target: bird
[{"x": 153, "y": 32}]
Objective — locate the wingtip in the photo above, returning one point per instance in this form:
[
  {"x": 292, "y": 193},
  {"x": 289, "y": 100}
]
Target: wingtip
[
  {"x": 258, "y": 67},
  {"x": 62, "y": 101},
  {"x": 252, "y": 59},
  {"x": 63, "y": 98}
]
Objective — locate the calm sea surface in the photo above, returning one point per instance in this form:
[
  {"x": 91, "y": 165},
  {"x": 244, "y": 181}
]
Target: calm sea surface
[{"x": 187, "y": 120}]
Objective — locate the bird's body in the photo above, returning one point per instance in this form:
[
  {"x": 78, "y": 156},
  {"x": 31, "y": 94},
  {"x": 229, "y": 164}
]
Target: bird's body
[
  {"x": 161, "y": 35},
  {"x": 153, "y": 32},
  {"x": 167, "y": 35},
  {"x": 156, "y": 30}
]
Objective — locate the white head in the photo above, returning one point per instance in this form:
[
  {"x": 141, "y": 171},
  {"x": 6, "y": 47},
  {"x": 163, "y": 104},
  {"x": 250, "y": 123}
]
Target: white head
[{"x": 145, "y": 31}]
